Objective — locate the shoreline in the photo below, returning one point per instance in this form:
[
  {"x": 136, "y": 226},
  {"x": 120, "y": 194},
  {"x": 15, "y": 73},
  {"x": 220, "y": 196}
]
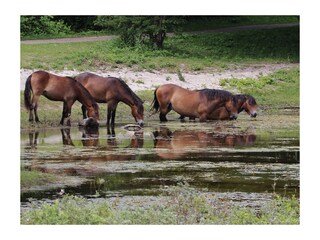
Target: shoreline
[{"x": 150, "y": 80}]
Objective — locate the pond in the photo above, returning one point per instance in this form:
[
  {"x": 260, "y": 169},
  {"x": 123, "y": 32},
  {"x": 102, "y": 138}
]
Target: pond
[{"x": 244, "y": 161}]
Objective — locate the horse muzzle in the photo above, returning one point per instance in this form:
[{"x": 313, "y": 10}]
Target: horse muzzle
[
  {"x": 233, "y": 117},
  {"x": 89, "y": 122},
  {"x": 253, "y": 114},
  {"x": 140, "y": 123}
]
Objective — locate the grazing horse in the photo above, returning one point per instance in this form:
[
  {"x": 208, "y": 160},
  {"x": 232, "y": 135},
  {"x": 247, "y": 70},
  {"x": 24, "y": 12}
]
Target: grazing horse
[
  {"x": 112, "y": 90},
  {"x": 192, "y": 103},
  {"x": 56, "y": 88},
  {"x": 243, "y": 102}
]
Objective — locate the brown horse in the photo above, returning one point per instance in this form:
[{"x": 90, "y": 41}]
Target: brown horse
[
  {"x": 56, "y": 88},
  {"x": 112, "y": 90},
  {"x": 243, "y": 102},
  {"x": 192, "y": 103}
]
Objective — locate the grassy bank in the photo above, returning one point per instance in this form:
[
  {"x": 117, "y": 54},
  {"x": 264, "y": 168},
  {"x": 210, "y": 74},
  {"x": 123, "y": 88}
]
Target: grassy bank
[
  {"x": 186, "y": 52},
  {"x": 183, "y": 205},
  {"x": 34, "y": 178},
  {"x": 278, "y": 90}
]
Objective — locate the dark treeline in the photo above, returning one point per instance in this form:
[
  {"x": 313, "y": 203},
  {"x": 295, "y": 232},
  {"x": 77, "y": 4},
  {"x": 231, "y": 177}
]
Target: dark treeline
[
  {"x": 91, "y": 23},
  {"x": 135, "y": 30}
]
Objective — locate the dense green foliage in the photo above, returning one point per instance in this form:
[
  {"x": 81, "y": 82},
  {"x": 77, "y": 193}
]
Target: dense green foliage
[
  {"x": 183, "y": 205},
  {"x": 193, "y": 52},
  {"x": 61, "y": 26},
  {"x": 42, "y": 25},
  {"x": 135, "y": 30}
]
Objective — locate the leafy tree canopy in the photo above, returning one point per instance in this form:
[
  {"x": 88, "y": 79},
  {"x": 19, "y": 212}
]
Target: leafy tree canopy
[{"x": 135, "y": 30}]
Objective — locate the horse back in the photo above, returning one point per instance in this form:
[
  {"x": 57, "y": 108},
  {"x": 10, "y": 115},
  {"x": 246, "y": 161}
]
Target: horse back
[
  {"x": 167, "y": 92},
  {"x": 183, "y": 101},
  {"x": 39, "y": 80},
  {"x": 52, "y": 86},
  {"x": 101, "y": 88}
]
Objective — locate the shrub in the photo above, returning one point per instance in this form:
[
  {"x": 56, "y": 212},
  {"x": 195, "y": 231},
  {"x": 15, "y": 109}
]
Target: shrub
[{"x": 42, "y": 25}]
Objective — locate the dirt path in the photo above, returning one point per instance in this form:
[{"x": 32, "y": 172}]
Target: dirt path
[
  {"x": 145, "y": 80},
  {"x": 104, "y": 38}
]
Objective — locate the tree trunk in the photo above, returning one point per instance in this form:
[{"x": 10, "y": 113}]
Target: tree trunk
[{"x": 159, "y": 38}]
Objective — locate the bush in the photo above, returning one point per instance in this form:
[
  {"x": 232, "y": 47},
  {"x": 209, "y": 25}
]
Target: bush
[{"x": 42, "y": 25}]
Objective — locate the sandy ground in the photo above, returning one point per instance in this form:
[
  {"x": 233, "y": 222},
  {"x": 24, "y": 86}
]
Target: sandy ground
[{"x": 146, "y": 80}]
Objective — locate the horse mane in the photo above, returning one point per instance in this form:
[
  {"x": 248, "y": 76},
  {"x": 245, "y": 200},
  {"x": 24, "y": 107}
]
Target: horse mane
[
  {"x": 244, "y": 97},
  {"x": 85, "y": 92},
  {"x": 251, "y": 99},
  {"x": 215, "y": 93},
  {"x": 240, "y": 98},
  {"x": 136, "y": 98}
]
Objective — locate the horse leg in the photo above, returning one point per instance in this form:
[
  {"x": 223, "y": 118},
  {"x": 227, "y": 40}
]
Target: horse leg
[
  {"x": 31, "y": 115},
  {"x": 63, "y": 113},
  {"x": 66, "y": 112},
  {"x": 84, "y": 111},
  {"x": 111, "y": 132},
  {"x": 108, "y": 116},
  {"x": 164, "y": 110},
  {"x": 163, "y": 117},
  {"x": 112, "y": 106},
  {"x": 203, "y": 117},
  {"x": 113, "y": 115},
  {"x": 33, "y": 108}
]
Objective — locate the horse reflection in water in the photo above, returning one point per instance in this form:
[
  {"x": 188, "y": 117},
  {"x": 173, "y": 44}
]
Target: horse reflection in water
[
  {"x": 174, "y": 145},
  {"x": 97, "y": 152},
  {"x": 33, "y": 140}
]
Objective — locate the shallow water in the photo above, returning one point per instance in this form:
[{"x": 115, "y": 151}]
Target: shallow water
[{"x": 244, "y": 160}]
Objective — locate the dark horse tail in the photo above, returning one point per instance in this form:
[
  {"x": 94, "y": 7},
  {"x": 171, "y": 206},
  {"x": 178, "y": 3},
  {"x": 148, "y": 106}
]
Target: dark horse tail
[
  {"x": 155, "y": 103},
  {"x": 27, "y": 93}
]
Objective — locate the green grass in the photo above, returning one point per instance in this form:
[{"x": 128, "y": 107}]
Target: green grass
[
  {"x": 34, "y": 178},
  {"x": 183, "y": 205},
  {"x": 193, "y": 52},
  {"x": 280, "y": 89}
]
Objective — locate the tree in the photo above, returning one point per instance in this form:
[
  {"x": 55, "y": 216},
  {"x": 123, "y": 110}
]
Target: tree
[{"x": 135, "y": 30}]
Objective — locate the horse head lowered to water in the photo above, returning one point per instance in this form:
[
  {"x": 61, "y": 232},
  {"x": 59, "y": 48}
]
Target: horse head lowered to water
[{"x": 112, "y": 90}]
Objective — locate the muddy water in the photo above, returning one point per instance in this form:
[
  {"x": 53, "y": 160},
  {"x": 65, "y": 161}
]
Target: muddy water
[{"x": 244, "y": 160}]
